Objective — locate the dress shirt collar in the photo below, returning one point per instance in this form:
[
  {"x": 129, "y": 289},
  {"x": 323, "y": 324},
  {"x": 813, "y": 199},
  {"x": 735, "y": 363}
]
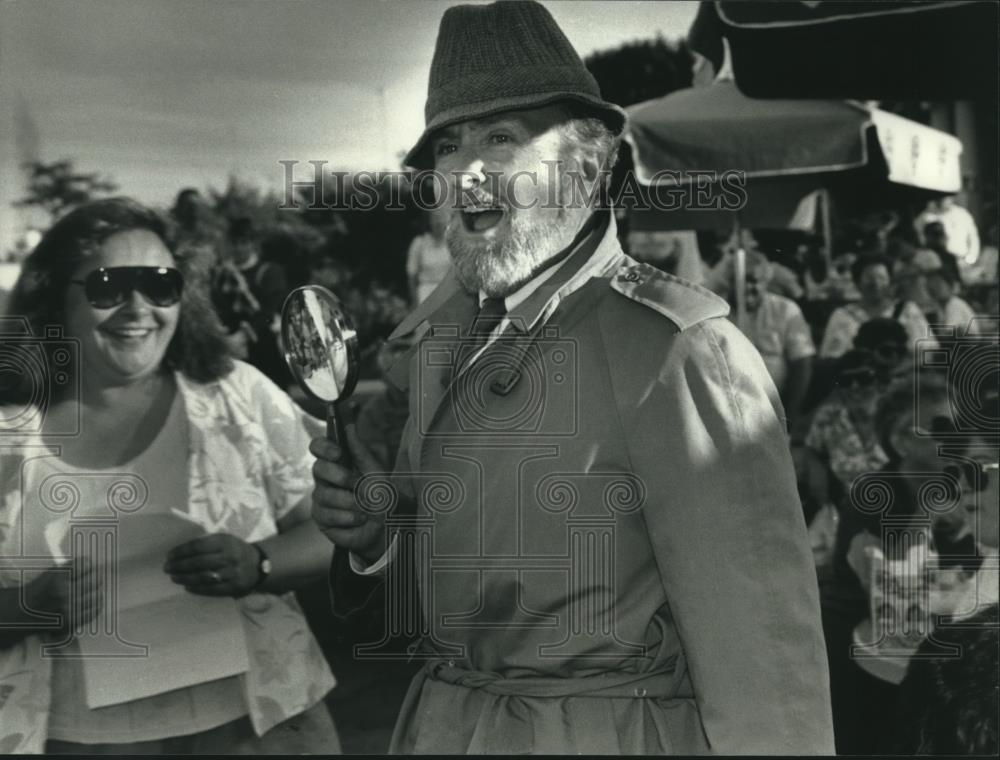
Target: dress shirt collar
[
  {"x": 574, "y": 265},
  {"x": 520, "y": 295}
]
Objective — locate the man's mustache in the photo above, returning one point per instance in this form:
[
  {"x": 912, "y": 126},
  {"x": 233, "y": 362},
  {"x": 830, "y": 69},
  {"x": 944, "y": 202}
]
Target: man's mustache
[{"x": 479, "y": 199}]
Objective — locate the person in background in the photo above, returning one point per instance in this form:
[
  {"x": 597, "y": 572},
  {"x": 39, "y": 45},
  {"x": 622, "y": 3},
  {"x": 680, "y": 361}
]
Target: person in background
[
  {"x": 841, "y": 441},
  {"x": 776, "y": 327},
  {"x": 948, "y": 703},
  {"x": 427, "y": 261},
  {"x": 327, "y": 270},
  {"x": 949, "y": 699},
  {"x": 222, "y": 454},
  {"x": 984, "y": 271},
  {"x": 950, "y": 309},
  {"x": 195, "y": 223},
  {"x": 823, "y": 282},
  {"x": 785, "y": 282},
  {"x": 979, "y": 478},
  {"x": 936, "y": 237},
  {"x": 248, "y": 293},
  {"x": 887, "y": 343},
  {"x": 385, "y": 308},
  {"x": 871, "y": 274},
  {"x": 912, "y": 421},
  {"x": 196, "y": 231},
  {"x": 957, "y": 225},
  {"x": 717, "y": 250},
  {"x": 909, "y": 269}
]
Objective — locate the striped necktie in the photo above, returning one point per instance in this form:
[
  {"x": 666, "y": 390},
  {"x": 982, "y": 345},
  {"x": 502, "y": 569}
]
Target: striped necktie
[{"x": 488, "y": 319}]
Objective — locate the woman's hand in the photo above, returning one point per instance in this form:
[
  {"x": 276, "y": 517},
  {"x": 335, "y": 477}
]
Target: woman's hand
[
  {"x": 76, "y": 599},
  {"x": 215, "y": 565}
]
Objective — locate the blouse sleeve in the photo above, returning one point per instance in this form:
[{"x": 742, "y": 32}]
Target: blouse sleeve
[{"x": 287, "y": 431}]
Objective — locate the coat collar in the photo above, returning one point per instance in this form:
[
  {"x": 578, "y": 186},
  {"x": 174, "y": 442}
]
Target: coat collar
[{"x": 590, "y": 256}]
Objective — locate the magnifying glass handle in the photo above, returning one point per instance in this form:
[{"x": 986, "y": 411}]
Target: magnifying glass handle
[{"x": 336, "y": 421}]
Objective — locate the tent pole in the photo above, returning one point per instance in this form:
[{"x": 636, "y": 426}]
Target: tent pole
[
  {"x": 827, "y": 228},
  {"x": 740, "y": 273}
]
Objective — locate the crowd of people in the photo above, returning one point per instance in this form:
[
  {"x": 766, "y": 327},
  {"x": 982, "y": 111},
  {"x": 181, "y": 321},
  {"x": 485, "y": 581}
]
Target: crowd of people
[
  {"x": 850, "y": 351},
  {"x": 686, "y": 519},
  {"x": 850, "y": 411}
]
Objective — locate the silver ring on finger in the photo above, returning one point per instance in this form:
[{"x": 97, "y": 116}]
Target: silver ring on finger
[{"x": 214, "y": 577}]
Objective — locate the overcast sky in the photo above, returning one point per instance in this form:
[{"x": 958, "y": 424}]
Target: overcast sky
[{"x": 160, "y": 94}]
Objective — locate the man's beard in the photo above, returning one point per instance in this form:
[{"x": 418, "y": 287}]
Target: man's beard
[{"x": 499, "y": 266}]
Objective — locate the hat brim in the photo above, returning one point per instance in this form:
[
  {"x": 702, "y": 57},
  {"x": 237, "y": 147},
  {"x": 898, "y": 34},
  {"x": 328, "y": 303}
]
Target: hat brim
[{"x": 612, "y": 115}]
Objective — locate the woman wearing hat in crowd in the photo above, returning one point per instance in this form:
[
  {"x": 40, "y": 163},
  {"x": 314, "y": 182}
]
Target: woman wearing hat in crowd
[{"x": 221, "y": 454}]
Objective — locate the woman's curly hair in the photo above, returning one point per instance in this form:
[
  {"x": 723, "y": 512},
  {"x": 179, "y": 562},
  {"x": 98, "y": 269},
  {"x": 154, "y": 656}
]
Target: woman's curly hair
[{"x": 198, "y": 348}]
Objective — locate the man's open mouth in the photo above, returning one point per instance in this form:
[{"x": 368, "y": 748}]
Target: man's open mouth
[{"x": 481, "y": 219}]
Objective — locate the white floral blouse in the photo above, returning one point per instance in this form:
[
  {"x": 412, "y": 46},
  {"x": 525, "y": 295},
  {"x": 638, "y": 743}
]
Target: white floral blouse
[{"x": 248, "y": 465}]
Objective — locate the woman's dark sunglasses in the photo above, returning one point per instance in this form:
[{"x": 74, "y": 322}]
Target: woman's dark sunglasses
[
  {"x": 109, "y": 287},
  {"x": 976, "y": 473}
]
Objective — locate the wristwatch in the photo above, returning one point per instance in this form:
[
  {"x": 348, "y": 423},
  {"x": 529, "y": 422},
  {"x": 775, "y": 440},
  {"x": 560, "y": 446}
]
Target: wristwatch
[{"x": 264, "y": 566}]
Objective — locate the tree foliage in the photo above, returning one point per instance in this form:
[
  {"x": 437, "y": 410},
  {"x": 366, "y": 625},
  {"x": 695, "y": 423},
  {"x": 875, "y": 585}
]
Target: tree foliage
[
  {"x": 641, "y": 70},
  {"x": 285, "y": 235},
  {"x": 57, "y": 187}
]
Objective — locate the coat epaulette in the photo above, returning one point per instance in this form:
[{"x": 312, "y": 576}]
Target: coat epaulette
[{"x": 682, "y": 302}]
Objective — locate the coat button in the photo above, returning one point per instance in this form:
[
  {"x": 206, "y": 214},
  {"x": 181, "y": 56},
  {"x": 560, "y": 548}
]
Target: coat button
[{"x": 631, "y": 277}]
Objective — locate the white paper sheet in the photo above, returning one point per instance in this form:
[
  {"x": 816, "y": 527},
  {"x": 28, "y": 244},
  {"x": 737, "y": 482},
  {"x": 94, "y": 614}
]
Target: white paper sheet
[{"x": 188, "y": 639}]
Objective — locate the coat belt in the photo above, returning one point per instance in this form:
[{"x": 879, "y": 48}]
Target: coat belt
[{"x": 658, "y": 684}]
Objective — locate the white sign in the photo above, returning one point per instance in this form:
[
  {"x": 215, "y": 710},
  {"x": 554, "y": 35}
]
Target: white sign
[{"x": 918, "y": 155}]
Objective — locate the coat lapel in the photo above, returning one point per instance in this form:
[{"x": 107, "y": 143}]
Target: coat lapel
[{"x": 433, "y": 361}]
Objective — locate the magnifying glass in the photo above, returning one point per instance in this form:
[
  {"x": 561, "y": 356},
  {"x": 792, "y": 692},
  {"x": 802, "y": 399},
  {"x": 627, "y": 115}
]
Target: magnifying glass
[{"x": 321, "y": 349}]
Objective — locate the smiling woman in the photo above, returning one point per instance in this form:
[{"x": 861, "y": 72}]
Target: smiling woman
[
  {"x": 123, "y": 327},
  {"x": 109, "y": 233},
  {"x": 202, "y": 465}
]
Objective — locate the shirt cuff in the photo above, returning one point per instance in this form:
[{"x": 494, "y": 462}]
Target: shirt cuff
[{"x": 359, "y": 566}]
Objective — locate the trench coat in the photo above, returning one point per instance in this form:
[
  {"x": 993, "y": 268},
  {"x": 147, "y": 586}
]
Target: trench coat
[{"x": 608, "y": 543}]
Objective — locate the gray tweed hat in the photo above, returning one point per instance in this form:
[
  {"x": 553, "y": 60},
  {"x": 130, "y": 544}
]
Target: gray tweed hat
[{"x": 506, "y": 56}]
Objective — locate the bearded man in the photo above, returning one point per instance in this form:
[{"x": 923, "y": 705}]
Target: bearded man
[{"x": 614, "y": 558}]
